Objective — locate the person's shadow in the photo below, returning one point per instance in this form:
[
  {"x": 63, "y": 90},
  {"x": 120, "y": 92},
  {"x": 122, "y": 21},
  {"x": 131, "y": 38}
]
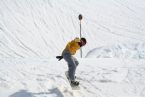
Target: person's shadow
[
  {"x": 22, "y": 93},
  {"x": 25, "y": 93}
]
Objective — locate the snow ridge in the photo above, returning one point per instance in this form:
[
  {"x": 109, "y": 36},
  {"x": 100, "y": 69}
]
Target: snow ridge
[{"x": 119, "y": 50}]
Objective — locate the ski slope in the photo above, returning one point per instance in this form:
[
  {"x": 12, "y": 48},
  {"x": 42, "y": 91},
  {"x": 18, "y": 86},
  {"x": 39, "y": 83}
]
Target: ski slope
[
  {"x": 33, "y": 32},
  {"x": 98, "y": 78},
  {"x": 42, "y": 28}
]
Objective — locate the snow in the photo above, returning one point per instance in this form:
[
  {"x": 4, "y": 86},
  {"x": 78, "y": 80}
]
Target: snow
[
  {"x": 99, "y": 77},
  {"x": 33, "y": 32},
  {"x": 119, "y": 50}
]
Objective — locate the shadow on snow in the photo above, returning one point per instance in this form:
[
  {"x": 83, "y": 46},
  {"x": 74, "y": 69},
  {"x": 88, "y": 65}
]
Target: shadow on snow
[{"x": 25, "y": 93}]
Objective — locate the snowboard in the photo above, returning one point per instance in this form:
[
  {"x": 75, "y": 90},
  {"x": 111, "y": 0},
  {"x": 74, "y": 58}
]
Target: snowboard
[{"x": 74, "y": 87}]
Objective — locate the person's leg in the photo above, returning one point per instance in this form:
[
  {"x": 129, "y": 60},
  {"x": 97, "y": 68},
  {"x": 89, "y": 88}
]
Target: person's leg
[
  {"x": 76, "y": 61},
  {"x": 71, "y": 64},
  {"x": 71, "y": 70}
]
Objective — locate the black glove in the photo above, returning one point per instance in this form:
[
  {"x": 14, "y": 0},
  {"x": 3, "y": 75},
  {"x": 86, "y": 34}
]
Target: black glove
[{"x": 59, "y": 57}]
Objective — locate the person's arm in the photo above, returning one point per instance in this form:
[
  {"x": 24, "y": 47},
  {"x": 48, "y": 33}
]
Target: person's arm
[
  {"x": 73, "y": 42},
  {"x": 77, "y": 39}
]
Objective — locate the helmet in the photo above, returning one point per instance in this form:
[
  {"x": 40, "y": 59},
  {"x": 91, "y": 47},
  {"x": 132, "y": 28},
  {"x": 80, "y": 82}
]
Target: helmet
[{"x": 84, "y": 40}]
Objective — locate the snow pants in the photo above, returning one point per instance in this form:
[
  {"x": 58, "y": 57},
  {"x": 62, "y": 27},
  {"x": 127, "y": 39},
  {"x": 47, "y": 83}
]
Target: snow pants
[{"x": 72, "y": 64}]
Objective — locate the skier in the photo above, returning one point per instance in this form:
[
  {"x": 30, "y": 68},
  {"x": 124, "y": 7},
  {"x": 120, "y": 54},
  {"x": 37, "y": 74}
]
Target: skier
[{"x": 72, "y": 62}]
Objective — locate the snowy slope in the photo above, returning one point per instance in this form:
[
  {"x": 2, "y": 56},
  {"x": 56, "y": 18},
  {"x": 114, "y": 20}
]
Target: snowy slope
[
  {"x": 41, "y": 28},
  {"x": 33, "y": 32},
  {"x": 98, "y": 77}
]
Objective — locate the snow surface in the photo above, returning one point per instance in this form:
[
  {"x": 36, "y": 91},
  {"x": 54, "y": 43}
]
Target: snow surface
[{"x": 33, "y": 32}]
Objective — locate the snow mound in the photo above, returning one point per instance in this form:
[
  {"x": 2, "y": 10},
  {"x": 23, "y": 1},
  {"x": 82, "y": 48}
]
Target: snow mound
[{"x": 124, "y": 50}]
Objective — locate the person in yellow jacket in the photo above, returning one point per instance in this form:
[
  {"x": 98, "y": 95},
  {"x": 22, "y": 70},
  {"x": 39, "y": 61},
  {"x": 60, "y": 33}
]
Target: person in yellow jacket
[{"x": 72, "y": 62}]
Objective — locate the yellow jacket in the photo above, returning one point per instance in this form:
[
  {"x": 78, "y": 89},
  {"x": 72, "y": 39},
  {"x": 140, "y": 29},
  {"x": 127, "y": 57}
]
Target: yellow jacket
[{"x": 73, "y": 46}]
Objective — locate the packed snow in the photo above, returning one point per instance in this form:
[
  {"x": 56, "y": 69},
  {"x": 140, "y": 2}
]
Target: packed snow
[{"x": 33, "y": 32}]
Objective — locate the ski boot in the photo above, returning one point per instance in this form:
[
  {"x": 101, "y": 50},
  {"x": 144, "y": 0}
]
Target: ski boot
[{"x": 74, "y": 83}]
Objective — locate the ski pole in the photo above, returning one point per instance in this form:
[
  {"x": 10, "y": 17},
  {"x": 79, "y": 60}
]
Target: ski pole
[{"x": 80, "y": 18}]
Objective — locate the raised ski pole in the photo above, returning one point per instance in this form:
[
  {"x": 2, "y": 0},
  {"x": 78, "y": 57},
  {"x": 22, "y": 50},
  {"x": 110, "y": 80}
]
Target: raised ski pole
[{"x": 80, "y": 18}]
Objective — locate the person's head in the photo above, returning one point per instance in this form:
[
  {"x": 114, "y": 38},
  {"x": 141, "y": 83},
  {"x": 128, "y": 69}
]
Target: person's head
[{"x": 83, "y": 41}]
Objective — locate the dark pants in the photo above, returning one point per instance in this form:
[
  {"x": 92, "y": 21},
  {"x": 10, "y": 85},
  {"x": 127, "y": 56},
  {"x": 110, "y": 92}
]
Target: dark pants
[{"x": 72, "y": 64}]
